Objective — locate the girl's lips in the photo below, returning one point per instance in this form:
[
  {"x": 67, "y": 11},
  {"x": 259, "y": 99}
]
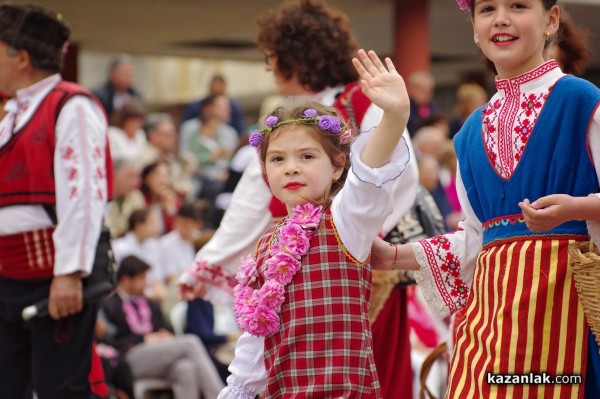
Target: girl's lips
[
  {"x": 294, "y": 186},
  {"x": 503, "y": 40}
]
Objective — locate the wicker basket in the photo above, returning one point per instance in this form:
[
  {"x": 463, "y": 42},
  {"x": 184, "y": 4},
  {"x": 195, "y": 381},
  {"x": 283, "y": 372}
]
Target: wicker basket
[
  {"x": 384, "y": 282},
  {"x": 584, "y": 258}
]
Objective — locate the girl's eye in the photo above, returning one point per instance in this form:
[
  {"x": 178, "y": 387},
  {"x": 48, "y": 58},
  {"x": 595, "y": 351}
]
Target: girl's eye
[
  {"x": 519, "y": 5},
  {"x": 307, "y": 156},
  {"x": 277, "y": 159},
  {"x": 486, "y": 9}
]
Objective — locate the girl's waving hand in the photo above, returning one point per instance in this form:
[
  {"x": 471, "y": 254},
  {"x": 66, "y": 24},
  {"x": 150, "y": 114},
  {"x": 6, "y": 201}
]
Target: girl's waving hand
[
  {"x": 385, "y": 88},
  {"x": 382, "y": 83}
]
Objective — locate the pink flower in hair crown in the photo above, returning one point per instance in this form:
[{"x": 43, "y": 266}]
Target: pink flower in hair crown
[{"x": 464, "y": 5}]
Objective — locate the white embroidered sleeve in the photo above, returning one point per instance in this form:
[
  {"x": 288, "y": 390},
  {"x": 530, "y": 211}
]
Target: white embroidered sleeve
[
  {"x": 448, "y": 261},
  {"x": 246, "y": 219},
  {"x": 364, "y": 202},
  {"x": 248, "y": 374},
  {"x": 405, "y": 186},
  {"x": 81, "y": 187}
]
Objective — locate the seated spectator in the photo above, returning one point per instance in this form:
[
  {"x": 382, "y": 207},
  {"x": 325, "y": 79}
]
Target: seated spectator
[
  {"x": 126, "y": 196},
  {"x": 421, "y": 87},
  {"x": 159, "y": 194},
  {"x": 430, "y": 140},
  {"x": 429, "y": 177},
  {"x": 177, "y": 246},
  {"x": 125, "y": 135},
  {"x": 200, "y": 321},
  {"x": 469, "y": 97},
  {"x": 218, "y": 86},
  {"x": 163, "y": 146},
  {"x": 449, "y": 164},
  {"x": 212, "y": 142},
  {"x": 150, "y": 348},
  {"x": 141, "y": 241},
  {"x": 119, "y": 86}
]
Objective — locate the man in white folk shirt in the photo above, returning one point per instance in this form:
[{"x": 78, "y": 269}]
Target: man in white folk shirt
[{"x": 53, "y": 153}]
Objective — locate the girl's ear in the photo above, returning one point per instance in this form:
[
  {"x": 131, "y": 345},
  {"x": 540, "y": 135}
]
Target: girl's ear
[
  {"x": 264, "y": 173},
  {"x": 339, "y": 163},
  {"x": 475, "y": 37},
  {"x": 553, "y": 20}
]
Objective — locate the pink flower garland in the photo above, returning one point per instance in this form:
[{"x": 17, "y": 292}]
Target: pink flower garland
[
  {"x": 257, "y": 310},
  {"x": 464, "y": 5},
  {"x": 138, "y": 324}
]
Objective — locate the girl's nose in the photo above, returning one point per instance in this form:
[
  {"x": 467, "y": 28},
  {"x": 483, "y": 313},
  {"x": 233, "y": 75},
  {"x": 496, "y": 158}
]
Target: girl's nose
[
  {"x": 502, "y": 18},
  {"x": 291, "y": 167}
]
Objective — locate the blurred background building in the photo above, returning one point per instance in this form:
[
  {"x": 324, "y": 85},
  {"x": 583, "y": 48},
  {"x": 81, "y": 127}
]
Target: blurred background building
[{"x": 178, "y": 45}]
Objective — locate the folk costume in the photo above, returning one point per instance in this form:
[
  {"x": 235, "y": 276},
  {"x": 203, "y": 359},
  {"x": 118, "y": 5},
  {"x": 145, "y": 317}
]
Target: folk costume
[
  {"x": 538, "y": 135},
  {"x": 253, "y": 210},
  {"x": 321, "y": 345},
  {"x": 53, "y": 152}
]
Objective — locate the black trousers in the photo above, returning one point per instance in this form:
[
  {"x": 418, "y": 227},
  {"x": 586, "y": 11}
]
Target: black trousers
[{"x": 53, "y": 357}]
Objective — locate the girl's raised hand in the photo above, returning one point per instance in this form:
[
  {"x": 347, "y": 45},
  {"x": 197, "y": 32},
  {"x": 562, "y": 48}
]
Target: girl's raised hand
[{"x": 382, "y": 83}]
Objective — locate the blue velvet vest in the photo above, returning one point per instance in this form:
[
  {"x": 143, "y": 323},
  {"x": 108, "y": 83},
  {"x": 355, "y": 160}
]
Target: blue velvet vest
[{"x": 556, "y": 160}]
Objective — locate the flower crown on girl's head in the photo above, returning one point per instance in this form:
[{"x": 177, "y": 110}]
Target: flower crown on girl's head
[
  {"x": 327, "y": 123},
  {"x": 464, "y": 5}
]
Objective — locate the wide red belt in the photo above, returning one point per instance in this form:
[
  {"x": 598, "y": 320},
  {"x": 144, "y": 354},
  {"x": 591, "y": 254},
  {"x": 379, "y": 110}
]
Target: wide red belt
[{"x": 27, "y": 255}]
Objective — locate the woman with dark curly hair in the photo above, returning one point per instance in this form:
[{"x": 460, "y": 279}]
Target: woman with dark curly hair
[{"x": 308, "y": 46}]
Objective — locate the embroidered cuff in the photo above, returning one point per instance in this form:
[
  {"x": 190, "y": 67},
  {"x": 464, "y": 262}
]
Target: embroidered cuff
[
  {"x": 201, "y": 271},
  {"x": 239, "y": 391},
  {"x": 428, "y": 285},
  {"x": 378, "y": 176}
]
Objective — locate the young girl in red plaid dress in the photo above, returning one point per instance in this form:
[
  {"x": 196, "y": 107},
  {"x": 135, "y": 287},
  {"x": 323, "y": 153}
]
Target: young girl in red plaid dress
[{"x": 303, "y": 297}]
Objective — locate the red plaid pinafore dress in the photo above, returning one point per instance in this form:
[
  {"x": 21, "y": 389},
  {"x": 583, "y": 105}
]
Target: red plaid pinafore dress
[{"x": 323, "y": 348}]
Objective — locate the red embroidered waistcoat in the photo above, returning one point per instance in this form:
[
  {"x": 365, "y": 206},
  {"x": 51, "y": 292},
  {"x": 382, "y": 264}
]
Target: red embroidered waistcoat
[
  {"x": 324, "y": 346},
  {"x": 27, "y": 159}
]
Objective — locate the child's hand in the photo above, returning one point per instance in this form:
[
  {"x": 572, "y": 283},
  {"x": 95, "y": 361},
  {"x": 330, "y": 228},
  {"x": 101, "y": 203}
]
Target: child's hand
[
  {"x": 381, "y": 253},
  {"x": 384, "y": 86},
  {"x": 547, "y": 212}
]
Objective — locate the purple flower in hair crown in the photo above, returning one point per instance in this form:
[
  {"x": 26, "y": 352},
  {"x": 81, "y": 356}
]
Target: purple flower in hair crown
[
  {"x": 309, "y": 116},
  {"x": 271, "y": 120},
  {"x": 255, "y": 139},
  {"x": 310, "y": 113},
  {"x": 464, "y": 5}
]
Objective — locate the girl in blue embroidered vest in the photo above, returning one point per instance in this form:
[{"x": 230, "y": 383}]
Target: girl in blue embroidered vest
[
  {"x": 528, "y": 173},
  {"x": 303, "y": 297}
]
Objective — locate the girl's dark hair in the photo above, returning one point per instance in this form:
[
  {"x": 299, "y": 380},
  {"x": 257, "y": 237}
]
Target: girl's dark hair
[
  {"x": 311, "y": 41},
  {"x": 293, "y": 108},
  {"x": 574, "y": 54}
]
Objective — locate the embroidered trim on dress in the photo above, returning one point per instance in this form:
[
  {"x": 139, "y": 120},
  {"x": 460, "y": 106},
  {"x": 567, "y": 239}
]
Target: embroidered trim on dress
[
  {"x": 343, "y": 248},
  {"x": 503, "y": 221}
]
